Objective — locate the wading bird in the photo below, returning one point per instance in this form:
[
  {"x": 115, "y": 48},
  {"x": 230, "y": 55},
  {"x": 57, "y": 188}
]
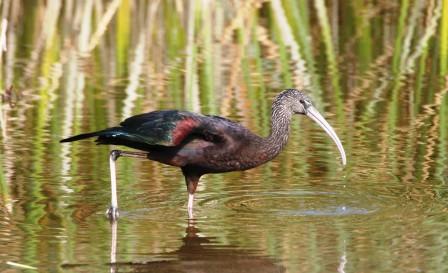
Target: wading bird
[{"x": 201, "y": 144}]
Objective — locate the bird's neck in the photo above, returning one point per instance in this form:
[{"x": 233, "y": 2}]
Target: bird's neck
[{"x": 274, "y": 143}]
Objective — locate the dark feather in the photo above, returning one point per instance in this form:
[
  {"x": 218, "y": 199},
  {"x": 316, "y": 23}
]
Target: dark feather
[
  {"x": 87, "y": 135},
  {"x": 158, "y": 128}
]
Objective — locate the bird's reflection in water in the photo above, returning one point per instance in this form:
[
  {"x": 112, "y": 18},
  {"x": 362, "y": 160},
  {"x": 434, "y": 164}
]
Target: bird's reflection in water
[{"x": 201, "y": 254}]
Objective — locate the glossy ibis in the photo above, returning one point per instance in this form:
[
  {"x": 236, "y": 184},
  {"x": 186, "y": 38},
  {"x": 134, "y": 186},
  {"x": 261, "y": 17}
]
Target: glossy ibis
[{"x": 201, "y": 144}]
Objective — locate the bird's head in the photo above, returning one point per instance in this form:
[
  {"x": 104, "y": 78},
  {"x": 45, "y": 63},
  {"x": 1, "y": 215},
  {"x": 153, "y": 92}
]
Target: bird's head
[{"x": 299, "y": 103}]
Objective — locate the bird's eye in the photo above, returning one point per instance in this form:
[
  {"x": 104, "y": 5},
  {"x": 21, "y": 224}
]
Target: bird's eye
[{"x": 306, "y": 103}]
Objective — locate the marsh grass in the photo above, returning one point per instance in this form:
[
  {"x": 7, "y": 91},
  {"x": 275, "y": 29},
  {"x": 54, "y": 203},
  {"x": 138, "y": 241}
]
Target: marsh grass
[
  {"x": 363, "y": 62},
  {"x": 203, "y": 53}
]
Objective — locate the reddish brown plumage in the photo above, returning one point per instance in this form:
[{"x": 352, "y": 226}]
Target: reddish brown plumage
[{"x": 183, "y": 129}]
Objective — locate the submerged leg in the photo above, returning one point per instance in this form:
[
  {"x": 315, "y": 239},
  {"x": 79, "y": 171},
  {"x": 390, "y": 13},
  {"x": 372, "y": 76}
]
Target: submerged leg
[
  {"x": 190, "y": 205},
  {"x": 192, "y": 182},
  {"x": 112, "y": 212}
]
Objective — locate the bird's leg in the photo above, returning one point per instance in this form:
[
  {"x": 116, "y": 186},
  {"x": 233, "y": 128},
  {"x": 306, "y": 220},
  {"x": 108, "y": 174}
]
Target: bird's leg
[
  {"x": 192, "y": 183},
  {"x": 112, "y": 212},
  {"x": 190, "y": 205}
]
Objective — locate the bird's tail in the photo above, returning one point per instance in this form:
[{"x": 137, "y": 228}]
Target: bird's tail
[{"x": 105, "y": 132}]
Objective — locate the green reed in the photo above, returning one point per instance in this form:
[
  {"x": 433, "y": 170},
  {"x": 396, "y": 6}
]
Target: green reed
[
  {"x": 116, "y": 26},
  {"x": 218, "y": 57},
  {"x": 329, "y": 50},
  {"x": 444, "y": 39}
]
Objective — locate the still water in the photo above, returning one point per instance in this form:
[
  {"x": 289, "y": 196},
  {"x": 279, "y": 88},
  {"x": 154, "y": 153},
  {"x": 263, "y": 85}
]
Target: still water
[{"x": 380, "y": 84}]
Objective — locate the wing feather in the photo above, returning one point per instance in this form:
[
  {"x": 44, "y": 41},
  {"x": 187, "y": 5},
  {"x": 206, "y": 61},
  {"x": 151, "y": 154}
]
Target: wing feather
[
  {"x": 168, "y": 128},
  {"x": 161, "y": 128}
]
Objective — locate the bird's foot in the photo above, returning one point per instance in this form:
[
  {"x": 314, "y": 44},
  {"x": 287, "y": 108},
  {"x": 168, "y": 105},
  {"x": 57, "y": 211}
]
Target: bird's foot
[{"x": 112, "y": 213}]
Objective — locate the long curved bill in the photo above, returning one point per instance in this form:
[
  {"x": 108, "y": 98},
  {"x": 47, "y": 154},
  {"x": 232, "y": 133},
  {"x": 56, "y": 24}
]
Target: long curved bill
[{"x": 312, "y": 113}]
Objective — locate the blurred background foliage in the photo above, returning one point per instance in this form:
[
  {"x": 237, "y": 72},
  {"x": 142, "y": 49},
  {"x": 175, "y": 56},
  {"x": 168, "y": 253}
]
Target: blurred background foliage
[
  {"x": 360, "y": 60},
  {"x": 377, "y": 68},
  {"x": 204, "y": 53}
]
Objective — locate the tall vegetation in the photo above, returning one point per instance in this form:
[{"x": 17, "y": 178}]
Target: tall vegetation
[{"x": 72, "y": 66}]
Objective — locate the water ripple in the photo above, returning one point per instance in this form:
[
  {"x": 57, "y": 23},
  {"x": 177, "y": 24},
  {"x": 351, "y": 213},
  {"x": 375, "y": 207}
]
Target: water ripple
[{"x": 293, "y": 203}]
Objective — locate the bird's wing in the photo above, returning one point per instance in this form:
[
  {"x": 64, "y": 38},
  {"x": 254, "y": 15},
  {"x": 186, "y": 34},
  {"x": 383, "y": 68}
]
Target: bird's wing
[{"x": 166, "y": 128}]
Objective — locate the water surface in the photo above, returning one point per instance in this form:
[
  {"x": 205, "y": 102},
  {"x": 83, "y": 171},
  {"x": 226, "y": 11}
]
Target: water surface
[{"x": 381, "y": 85}]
